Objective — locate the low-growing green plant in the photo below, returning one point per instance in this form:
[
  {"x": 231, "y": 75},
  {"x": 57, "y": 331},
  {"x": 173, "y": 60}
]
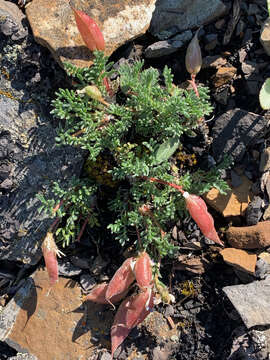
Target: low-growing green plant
[
  {"x": 140, "y": 134},
  {"x": 132, "y": 164}
]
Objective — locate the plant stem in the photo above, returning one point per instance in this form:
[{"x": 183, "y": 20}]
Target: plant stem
[
  {"x": 175, "y": 186},
  {"x": 193, "y": 84},
  {"x": 82, "y": 229}
]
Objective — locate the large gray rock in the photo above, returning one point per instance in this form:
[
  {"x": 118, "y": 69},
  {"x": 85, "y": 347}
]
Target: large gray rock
[
  {"x": 29, "y": 158},
  {"x": 31, "y": 161},
  {"x": 184, "y": 14},
  {"x": 251, "y": 301},
  {"x": 236, "y": 130}
]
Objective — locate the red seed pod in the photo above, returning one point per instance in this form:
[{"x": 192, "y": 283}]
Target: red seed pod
[
  {"x": 194, "y": 56},
  {"x": 143, "y": 270},
  {"x": 131, "y": 313},
  {"x": 89, "y": 30},
  {"x": 199, "y": 213},
  {"x": 50, "y": 252},
  {"x": 121, "y": 280},
  {"x": 97, "y": 295}
]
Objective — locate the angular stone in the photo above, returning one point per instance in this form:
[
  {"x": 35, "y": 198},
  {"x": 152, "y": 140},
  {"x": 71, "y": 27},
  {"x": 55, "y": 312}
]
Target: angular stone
[
  {"x": 254, "y": 211},
  {"x": 265, "y": 256},
  {"x": 249, "y": 237},
  {"x": 214, "y": 61},
  {"x": 166, "y": 47},
  {"x": 239, "y": 259},
  {"x": 224, "y": 75},
  {"x": 265, "y": 160},
  {"x": 265, "y": 36},
  {"x": 234, "y": 203},
  {"x": 11, "y": 18},
  {"x": 54, "y": 26},
  {"x": 236, "y": 130},
  {"x": 184, "y": 14},
  {"x": 54, "y": 325},
  {"x": 251, "y": 301}
]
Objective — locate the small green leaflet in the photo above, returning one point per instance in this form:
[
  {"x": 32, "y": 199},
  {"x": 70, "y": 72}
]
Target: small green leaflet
[
  {"x": 166, "y": 150},
  {"x": 265, "y": 95}
]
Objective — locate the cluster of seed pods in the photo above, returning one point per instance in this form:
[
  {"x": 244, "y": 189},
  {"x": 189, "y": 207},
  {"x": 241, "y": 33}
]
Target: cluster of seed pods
[{"x": 134, "y": 309}]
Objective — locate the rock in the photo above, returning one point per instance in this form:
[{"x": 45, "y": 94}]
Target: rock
[
  {"x": 54, "y": 26},
  {"x": 66, "y": 268},
  {"x": 266, "y": 214},
  {"x": 234, "y": 203},
  {"x": 262, "y": 269},
  {"x": 211, "y": 41},
  {"x": 214, "y": 61},
  {"x": 265, "y": 36},
  {"x": 105, "y": 356},
  {"x": 236, "y": 179},
  {"x": 157, "y": 325},
  {"x": 265, "y": 256},
  {"x": 249, "y": 237},
  {"x": 166, "y": 47},
  {"x": 21, "y": 356},
  {"x": 160, "y": 353},
  {"x": 265, "y": 160},
  {"x": 248, "y": 68},
  {"x": 195, "y": 265},
  {"x": 35, "y": 161},
  {"x": 11, "y": 18},
  {"x": 87, "y": 282},
  {"x": 250, "y": 344},
  {"x": 184, "y": 14},
  {"x": 224, "y": 75},
  {"x": 254, "y": 211},
  {"x": 57, "y": 326},
  {"x": 236, "y": 130},
  {"x": 239, "y": 259},
  {"x": 251, "y": 301}
]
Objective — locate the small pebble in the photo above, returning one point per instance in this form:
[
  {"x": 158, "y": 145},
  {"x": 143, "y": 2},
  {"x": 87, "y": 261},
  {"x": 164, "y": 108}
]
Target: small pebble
[
  {"x": 105, "y": 356},
  {"x": 254, "y": 211},
  {"x": 169, "y": 311},
  {"x": 262, "y": 269},
  {"x": 66, "y": 268},
  {"x": 87, "y": 282}
]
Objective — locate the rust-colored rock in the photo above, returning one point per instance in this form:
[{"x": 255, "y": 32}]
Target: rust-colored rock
[
  {"x": 234, "y": 203},
  {"x": 55, "y": 326},
  {"x": 240, "y": 259},
  {"x": 224, "y": 75},
  {"x": 249, "y": 237},
  {"x": 54, "y": 26}
]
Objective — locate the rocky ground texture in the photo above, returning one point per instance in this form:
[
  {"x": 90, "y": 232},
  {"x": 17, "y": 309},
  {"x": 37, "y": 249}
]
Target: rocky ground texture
[{"x": 222, "y": 308}]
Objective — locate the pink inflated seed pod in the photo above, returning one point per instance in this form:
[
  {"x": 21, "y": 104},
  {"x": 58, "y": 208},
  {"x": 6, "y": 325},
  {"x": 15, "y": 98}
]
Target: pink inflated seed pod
[
  {"x": 121, "y": 280},
  {"x": 143, "y": 270},
  {"x": 97, "y": 295},
  {"x": 199, "y": 213},
  {"x": 89, "y": 30},
  {"x": 50, "y": 252},
  {"x": 130, "y": 313}
]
